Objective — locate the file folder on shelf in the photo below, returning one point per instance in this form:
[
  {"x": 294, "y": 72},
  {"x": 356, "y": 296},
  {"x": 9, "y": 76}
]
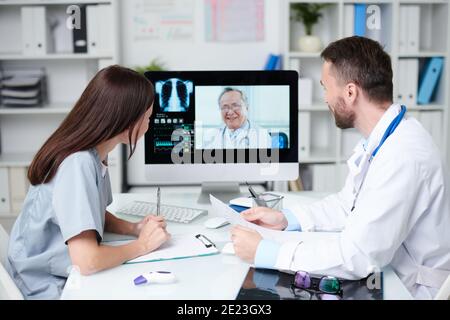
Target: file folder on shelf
[
  {"x": 360, "y": 20},
  {"x": 429, "y": 80}
]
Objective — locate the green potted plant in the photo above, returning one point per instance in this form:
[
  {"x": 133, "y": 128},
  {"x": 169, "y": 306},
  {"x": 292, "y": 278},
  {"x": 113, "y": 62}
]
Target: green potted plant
[
  {"x": 308, "y": 14},
  {"x": 154, "y": 65}
]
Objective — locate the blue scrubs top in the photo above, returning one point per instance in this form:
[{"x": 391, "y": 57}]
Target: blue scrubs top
[{"x": 74, "y": 201}]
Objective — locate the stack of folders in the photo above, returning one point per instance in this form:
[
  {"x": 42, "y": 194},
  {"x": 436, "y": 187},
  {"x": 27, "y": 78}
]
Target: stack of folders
[{"x": 23, "y": 88}]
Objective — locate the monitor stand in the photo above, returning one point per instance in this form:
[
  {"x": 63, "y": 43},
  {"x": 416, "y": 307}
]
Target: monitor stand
[{"x": 224, "y": 191}]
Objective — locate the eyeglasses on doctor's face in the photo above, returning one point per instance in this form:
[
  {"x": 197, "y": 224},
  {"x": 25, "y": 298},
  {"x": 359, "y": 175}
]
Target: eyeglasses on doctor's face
[
  {"x": 325, "y": 284},
  {"x": 233, "y": 107}
]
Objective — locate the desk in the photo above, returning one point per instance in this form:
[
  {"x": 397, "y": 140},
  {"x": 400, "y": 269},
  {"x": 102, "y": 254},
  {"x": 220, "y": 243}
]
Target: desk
[{"x": 202, "y": 278}]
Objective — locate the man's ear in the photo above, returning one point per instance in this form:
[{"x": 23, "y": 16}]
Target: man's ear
[{"x": 351, "y": 92}]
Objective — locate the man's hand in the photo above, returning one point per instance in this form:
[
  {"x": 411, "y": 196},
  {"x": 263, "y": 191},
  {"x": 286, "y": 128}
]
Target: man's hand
[
  {"x": 266, "y": 217},
  {"x": 245, "y": 242}
]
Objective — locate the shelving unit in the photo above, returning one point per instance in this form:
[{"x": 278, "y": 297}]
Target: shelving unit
[
  {"x": 24, "y": 130},
  {"x": 330, "y": 147}
]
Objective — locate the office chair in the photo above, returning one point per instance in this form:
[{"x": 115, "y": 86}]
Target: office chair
[
  {"x": 279, "y": 140},
  {"x": 444, "y": 291},
  {"x": 8, "y": 289}
]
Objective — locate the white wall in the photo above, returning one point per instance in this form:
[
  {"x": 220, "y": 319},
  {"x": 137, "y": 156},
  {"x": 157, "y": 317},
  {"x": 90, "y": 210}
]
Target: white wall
[
  {"x": 196, "y": 55},
  {"x": 199, "y": 54}
]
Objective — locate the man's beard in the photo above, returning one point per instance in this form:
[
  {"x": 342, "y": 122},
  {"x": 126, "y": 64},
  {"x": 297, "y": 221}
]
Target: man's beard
[{"x": 343, "y": 117}]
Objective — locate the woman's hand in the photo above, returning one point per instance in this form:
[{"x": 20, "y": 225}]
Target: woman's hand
[
  {"x": 137, "y": 227},
  {"x": 152, "y": 234},
  {"x": 266, "y": 217}
]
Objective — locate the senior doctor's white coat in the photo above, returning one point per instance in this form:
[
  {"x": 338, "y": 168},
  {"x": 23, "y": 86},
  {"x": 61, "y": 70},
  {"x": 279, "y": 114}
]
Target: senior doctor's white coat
[{"x": 401, "y": 215}]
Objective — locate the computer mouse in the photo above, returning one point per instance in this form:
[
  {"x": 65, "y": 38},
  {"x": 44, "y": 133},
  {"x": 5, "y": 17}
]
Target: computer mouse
[
  {"x": 216, "y": 222},
  {"x": 228, "y": 248}
]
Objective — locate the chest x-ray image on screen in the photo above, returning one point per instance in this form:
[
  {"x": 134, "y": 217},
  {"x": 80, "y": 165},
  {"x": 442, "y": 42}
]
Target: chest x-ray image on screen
[{"x": 174, "y": 94}]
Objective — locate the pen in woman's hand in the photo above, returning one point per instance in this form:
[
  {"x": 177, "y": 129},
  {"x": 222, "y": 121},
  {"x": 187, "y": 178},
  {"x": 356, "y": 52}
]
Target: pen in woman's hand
[{"x": 158, "y": 201}]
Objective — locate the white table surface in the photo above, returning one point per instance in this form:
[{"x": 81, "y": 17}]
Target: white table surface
[{"x": 200, "y": 278}]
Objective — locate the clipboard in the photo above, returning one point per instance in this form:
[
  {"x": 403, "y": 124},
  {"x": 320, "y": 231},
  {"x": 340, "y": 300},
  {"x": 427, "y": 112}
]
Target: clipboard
[{"x": 178, "y": 247}]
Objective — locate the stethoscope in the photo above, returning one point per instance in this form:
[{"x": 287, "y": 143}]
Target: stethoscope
[
  {"x": 390, "y": 129},
  {"x": 246, "y": 138}
]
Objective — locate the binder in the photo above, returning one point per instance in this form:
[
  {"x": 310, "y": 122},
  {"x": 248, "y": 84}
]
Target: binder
[
  {"x": 27, "y": 30},
  {"x": 305, "y": 91},
  {"x": 269, "y": 62},
  {"x": 402, "y": 81},
  {"x": 413, "y": 20},
  {"x": 105, "y": 31},
  {"x": 429, "y": 80},
  {"x": 412, "y": 81},
  {"x": 273, "y": 62},
  {"x": 403, "y": 29},
  {"x": 35, "y": 31},
  {"x": 42, "y": 37},
  {"x": 278, "y": 64},
  {"x": 349, "y": 20},
  {"x": 178, "y": 247},
  {"x": 80, "y": 35},
  {"x": 304, "y": 135},
  {"x": 92, "y": 28},
  {"x": 360, "y": 20},
  {"x": 5, "y": 206},
  {"x": 408, "y": 79}
]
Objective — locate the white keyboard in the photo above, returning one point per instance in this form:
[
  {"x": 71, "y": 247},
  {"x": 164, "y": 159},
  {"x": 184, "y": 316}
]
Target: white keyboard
[{"x": 170, "y": 213}]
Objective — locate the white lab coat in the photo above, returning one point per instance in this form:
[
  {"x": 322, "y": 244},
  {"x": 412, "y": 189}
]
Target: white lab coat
[
  {"x": 251, "y": 137},
  {"x": 401, "y": 216}
]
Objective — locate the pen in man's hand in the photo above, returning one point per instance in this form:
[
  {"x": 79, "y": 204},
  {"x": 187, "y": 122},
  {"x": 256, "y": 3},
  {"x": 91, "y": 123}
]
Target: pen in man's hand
[
  {"x": 158, "y": 201},
  {"x": 252, "y": 192}
]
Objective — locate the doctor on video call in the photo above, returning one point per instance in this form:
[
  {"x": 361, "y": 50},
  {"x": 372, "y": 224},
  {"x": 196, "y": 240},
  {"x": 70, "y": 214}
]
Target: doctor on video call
[
  {"x": 238, "y": 132},
  {"x": 394, "y": 207}
]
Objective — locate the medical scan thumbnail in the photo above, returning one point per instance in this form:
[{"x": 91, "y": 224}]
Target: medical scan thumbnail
[{"x": 174, "y": 94}]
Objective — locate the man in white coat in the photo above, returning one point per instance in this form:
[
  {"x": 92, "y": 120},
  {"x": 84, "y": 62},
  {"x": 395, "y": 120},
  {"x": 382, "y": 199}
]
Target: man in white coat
[
  {"x": 394, "y": 208},
  {"x": 238, "y": 132}
]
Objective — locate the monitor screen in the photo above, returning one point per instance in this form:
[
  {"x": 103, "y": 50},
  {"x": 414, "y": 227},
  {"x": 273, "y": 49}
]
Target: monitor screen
[{"x": 201, "y": 115}]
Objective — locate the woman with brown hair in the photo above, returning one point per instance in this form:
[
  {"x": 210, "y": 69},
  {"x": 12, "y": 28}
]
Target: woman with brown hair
[{"x": 64, "y": 214}]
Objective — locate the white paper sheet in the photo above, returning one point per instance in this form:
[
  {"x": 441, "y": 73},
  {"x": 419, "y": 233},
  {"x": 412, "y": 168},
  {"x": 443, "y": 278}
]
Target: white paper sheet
[{"x": 223, "y": 210}]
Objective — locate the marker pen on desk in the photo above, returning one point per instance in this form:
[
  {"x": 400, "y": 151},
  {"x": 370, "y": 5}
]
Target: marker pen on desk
[{"x": 155, "y": 277}]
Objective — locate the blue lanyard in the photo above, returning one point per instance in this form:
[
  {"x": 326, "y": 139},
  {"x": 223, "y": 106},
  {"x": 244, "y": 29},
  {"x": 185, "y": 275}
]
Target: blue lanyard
[
  {"x": 390, "y": 129},
  {"x": 394, "y": 124}
]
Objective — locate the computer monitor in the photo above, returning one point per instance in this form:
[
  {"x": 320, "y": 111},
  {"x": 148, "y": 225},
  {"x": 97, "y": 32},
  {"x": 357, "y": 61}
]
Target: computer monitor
[{"x": 222, "y": 126}]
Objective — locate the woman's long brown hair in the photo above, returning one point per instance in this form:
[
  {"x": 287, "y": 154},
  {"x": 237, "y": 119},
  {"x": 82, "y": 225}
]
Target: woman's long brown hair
[{"x": 113, "y": 101}]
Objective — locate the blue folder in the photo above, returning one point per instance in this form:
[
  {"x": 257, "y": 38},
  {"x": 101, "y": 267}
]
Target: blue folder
[
  {"x": 273, "y": 62},
  {"x": 237, "y": 208},
  {"x": 360, "y": 20},
  {"x": 429, "y": 80}
]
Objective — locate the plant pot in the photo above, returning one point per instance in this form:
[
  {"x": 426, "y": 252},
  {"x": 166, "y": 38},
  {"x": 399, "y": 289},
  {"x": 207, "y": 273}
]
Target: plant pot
[{"x": 310, "y": 44}]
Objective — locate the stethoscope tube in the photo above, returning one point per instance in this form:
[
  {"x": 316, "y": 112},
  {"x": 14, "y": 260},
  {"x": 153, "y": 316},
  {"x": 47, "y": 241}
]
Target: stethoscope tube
[{"x": 390, "y": 129}]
